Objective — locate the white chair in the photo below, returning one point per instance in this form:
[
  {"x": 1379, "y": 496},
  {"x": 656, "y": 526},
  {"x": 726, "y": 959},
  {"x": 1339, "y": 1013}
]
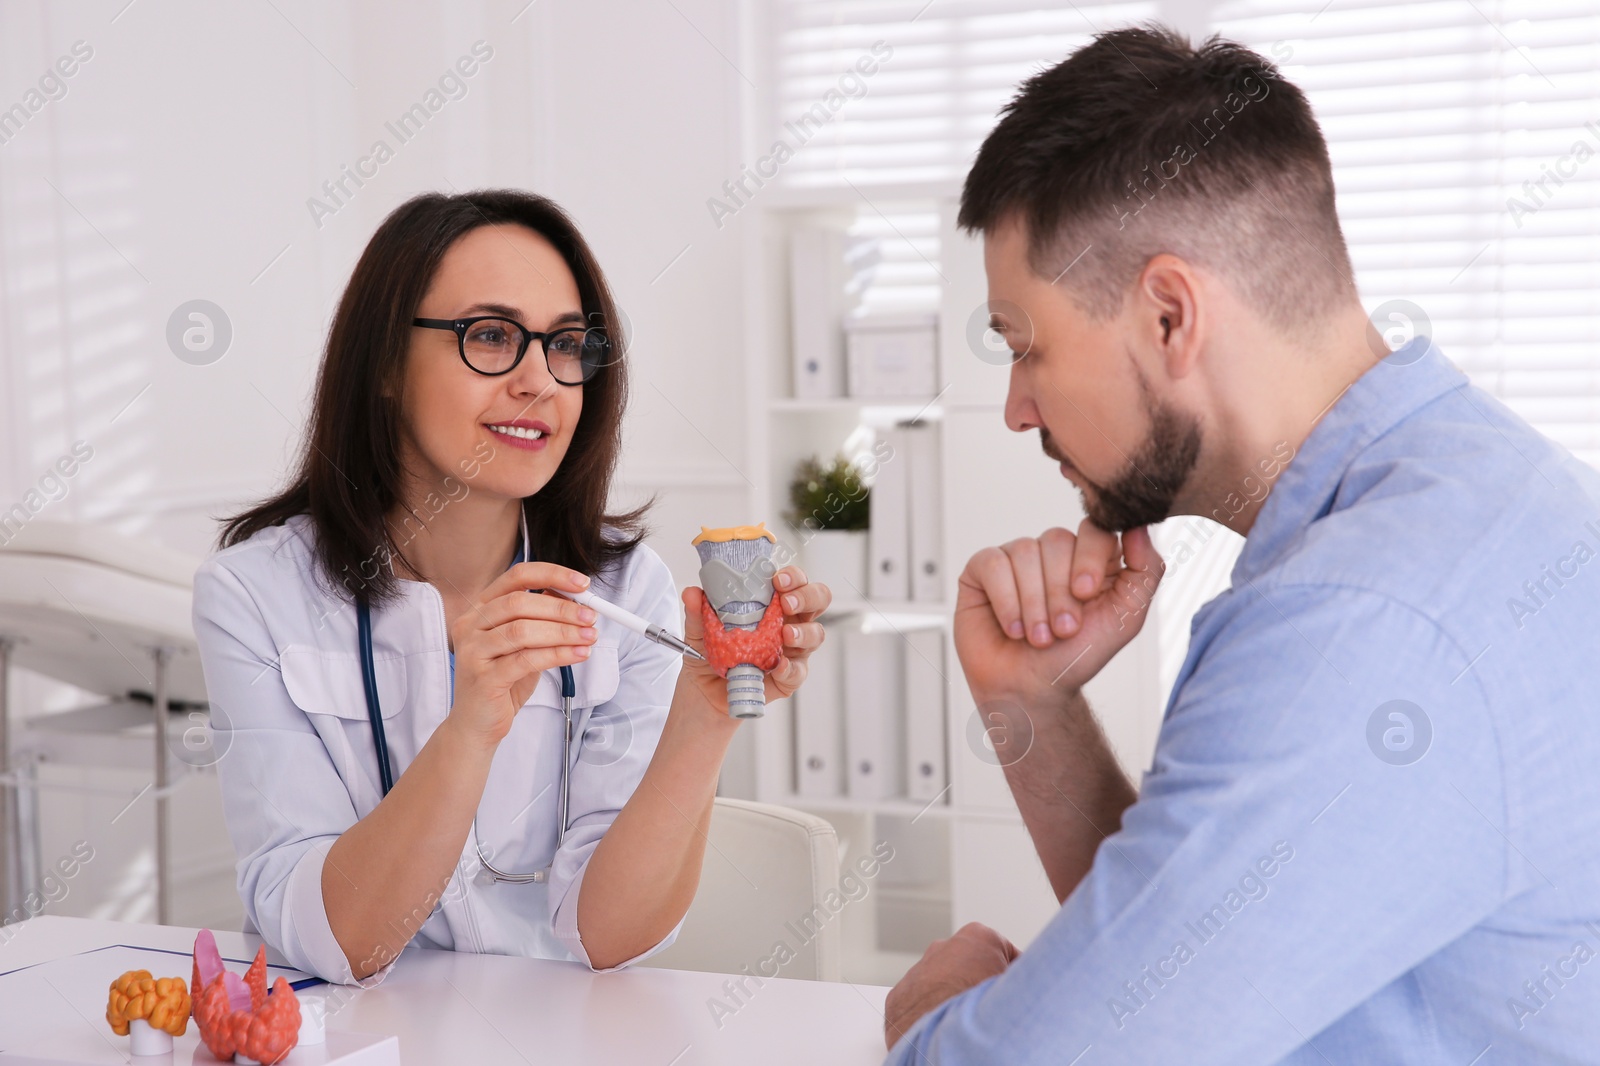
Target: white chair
[{"x": 765, "y": 874}]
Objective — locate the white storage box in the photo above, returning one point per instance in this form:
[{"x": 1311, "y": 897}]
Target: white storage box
[{"x": 891, "y": 357}]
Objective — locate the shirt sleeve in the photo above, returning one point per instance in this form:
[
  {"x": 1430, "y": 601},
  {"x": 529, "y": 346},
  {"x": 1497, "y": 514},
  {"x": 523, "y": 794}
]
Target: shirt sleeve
[
  {"x": 283, "y": 799},
  {"x": 618, "y": 743},
  {"x": 1324, "y": 812}
]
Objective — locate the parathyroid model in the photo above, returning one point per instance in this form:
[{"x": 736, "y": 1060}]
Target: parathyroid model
[{"x": 742, "y": 618}]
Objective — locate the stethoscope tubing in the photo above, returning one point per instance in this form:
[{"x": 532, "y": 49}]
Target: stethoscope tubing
[{"x": 380, "y": 737}]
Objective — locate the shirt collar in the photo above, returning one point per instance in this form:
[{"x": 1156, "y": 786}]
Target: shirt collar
[{"x": 1377, "y": 401}]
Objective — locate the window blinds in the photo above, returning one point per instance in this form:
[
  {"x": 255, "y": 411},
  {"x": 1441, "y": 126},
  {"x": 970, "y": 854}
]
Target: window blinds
[
  {"x": 1465, "y": 137},
  {"x": 939, "y": 74},
  {"x": 950, "y": 66}
]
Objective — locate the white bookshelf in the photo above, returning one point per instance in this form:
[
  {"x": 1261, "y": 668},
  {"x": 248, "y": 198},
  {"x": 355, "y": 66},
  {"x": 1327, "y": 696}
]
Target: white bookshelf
[{"x": 965, "y": 857}]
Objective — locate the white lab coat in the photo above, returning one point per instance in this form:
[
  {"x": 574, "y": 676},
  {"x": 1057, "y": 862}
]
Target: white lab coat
[{"x": 298, "y": 766}]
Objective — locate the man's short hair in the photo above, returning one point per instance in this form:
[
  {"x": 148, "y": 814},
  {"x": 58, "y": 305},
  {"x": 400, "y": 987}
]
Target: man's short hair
[{"x": 1139, "y": 143}]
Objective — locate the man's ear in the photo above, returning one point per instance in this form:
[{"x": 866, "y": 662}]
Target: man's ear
[{"x": 1167, "y": 298}]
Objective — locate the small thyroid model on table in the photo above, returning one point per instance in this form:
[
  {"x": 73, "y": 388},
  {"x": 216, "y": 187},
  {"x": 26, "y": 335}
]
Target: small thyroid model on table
[
  {"x": 743, "y": 619},
  {"x": 149, "y": 1010},
  {"x": 237, "y": 1018}
]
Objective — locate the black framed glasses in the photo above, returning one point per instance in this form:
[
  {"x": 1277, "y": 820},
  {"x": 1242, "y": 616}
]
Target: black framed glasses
[{"x": 492, "y": 346}]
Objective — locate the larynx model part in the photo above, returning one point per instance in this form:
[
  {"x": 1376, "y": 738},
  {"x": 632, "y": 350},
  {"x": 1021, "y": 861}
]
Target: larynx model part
[{"x": 742, "y": 618}]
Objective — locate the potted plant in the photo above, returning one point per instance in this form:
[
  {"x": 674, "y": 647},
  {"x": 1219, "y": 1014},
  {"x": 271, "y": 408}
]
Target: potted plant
[{"x": 829, "y": 514}]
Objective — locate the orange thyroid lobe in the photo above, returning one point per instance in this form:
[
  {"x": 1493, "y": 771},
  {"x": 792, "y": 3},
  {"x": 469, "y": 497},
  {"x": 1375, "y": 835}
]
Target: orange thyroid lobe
[{"x": 726, "y": 648}]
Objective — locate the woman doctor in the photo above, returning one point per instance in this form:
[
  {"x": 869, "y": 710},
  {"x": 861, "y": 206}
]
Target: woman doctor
[{"x": 470, "y": 397}]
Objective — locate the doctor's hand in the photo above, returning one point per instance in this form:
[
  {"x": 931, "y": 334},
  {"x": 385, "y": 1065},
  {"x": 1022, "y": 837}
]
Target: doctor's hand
[
  {"x": 801, "y": 601},
  {"x": 507, "y": 637},
  {"x": 947, "y": 968},
  {"x": 1047, "y": 613}
]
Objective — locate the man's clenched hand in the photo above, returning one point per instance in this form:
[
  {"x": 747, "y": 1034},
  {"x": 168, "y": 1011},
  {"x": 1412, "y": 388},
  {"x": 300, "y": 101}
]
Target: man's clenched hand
[
  {"x": 947, "y": 968},
  {"x": 1051, "y": 611}
]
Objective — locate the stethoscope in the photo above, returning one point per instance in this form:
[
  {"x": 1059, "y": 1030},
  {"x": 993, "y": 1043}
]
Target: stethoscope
[{"x": 487, "y": 874}]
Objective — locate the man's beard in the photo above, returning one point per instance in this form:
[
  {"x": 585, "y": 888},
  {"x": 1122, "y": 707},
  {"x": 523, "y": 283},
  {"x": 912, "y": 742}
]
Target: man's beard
[{"x": 1143, "y": 494}]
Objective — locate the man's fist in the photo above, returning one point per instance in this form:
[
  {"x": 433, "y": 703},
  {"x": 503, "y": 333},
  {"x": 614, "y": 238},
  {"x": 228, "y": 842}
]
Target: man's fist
[
  {"x": 1052, "y": 610},
  {"x": 947, "y": 968}
]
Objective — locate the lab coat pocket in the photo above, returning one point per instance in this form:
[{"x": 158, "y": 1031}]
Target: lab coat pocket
[
  {"x": 518, "y": 812},
  {"x": 327, "y": 682},
  {"x": 327, "y": 686},
  {"x": 595, "y": 681},
  {"x": 535, "y": 737}
]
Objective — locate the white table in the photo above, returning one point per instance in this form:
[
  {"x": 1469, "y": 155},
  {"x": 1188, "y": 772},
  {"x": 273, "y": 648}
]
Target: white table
[{"x": 449, "y": 1007}]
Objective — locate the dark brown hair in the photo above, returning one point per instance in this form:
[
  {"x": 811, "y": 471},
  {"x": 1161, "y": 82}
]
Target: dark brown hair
[
  {"x": 348, "y": 475},
  {"x": 1139, "y": 143}
]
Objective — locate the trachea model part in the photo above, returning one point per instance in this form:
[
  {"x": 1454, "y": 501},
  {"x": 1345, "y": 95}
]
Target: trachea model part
[{"x": 743, "y": 619}]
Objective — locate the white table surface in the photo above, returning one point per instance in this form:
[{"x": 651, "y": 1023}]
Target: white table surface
[{"x": 450, "y": 1007}]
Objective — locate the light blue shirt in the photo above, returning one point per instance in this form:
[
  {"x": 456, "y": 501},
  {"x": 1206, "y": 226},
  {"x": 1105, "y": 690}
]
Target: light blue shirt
[{"x": 1314, "y": 872}]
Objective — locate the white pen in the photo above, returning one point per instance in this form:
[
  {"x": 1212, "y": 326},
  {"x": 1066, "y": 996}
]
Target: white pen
[{"x": 648, "y": 630}]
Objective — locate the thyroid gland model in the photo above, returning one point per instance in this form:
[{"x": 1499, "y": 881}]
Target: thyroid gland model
[
  {"x": 742, "y": 618},
  {"x": 237, "y": 1016},
  {"x": 149, "y": 1010}
]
